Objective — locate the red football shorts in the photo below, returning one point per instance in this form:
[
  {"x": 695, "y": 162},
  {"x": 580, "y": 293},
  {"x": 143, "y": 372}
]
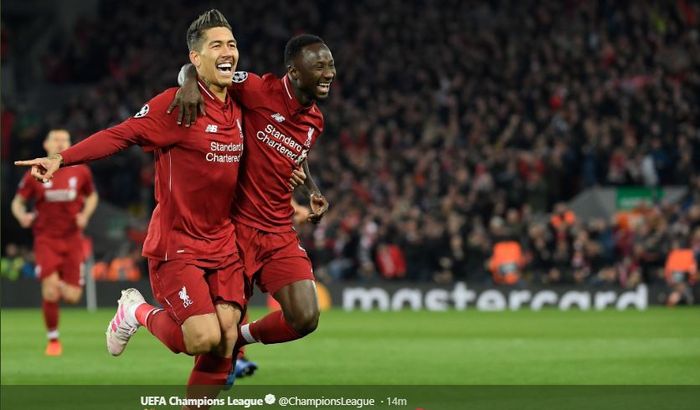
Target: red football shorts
[
  {"x": 63, "y": 255},
  {"x": 186, "y": 289},
  {"x": 272, "y": 260}
]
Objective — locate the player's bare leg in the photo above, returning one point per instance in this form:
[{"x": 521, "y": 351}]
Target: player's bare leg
[
  {"x": 300, "y": 306},
  {"x": 298, "y": 317},
  {"x": 211, "y": 369},
  {"x": 198, "y": 334},
  {"x": 201, "y": 333},
  {"x": 70, "y": 293},
  {"x": 51, "y": 295}
]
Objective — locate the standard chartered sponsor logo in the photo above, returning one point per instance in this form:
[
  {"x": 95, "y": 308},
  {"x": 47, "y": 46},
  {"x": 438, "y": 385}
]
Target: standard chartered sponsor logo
[
  {"x": 285, "y": 145},
  {"x": 223, "y": 153},
  {"x": 60, "y": 195}
]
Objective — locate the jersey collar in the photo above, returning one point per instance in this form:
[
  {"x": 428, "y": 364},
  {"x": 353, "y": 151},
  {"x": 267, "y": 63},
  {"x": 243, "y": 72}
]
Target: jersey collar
[{"x": 207, "y": 94}]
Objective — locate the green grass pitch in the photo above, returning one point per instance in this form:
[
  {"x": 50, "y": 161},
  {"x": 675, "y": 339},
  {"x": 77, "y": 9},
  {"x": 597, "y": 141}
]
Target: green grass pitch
[{"x": 657, "y": 346}]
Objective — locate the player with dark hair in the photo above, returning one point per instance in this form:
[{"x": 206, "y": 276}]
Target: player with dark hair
[
  {"x": 63, "y": 207},
  {"x": 282, "y": 123},
  {"x": 195, "y": 269}
]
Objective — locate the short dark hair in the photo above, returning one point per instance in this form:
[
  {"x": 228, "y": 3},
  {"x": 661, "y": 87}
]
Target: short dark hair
[
  {"x": 296, "y": 43},
  {"x": 205, "y": 21}
]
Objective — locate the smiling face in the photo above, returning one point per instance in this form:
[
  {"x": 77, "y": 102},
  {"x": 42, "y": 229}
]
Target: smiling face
[
  {"x": 216, "y": 58},
  {"x": 312, "y": 72}
]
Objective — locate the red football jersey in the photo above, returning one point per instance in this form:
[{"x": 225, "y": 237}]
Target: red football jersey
[
  {"x": 279, "y": 133},
  {"x": 196, "y": 174},
  {"x": 58, "y": 201}
]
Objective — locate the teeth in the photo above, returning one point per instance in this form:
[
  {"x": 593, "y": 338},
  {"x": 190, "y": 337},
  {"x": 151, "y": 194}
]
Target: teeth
[{"x": 224, "y": 65}]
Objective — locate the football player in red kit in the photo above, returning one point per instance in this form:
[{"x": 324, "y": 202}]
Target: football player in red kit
[
  {"x": 195, "y": 269},
  {"x": 282, "y": 123},
  {"x": 243, "y": 366},
  {"x": 62, "y": 209}
]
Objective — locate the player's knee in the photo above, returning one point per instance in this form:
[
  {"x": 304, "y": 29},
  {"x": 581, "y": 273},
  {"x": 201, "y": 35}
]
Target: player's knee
[
  {"x": 72, "y": 297},
  {"x": 304, "y": 321},
  {"x": 203, "y": 341},
  {"x": 50, "y": 292}
]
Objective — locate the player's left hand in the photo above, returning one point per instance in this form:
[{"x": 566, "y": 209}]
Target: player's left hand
[
  {"x": 298, "y": 177},
  {"x": 42, "y": 168},
  {"x": 81, "y": 220},
  {"x": 189, "y": 102},
  {"x": 319, "y": 207}
]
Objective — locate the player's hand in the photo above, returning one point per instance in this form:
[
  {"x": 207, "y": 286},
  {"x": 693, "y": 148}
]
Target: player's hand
[
  {"x": 298, "y": 177},
  {"x": 42, "y": 168},
  {"x": 81, "y": 220},
  {"x": 26, "y": 220},
  {"x": 189, "y": 101},
  {"x": 319, "y": 207}
]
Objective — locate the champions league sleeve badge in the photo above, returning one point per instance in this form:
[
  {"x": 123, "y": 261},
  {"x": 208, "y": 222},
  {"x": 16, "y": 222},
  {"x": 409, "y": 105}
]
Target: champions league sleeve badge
[{"x": 240, "y": 76}]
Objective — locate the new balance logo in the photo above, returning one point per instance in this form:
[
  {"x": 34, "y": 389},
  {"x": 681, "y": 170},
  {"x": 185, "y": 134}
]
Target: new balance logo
[
  {"x": 186, "y": 301},
  {"x": 278, "y": 117},
  {"x": 211, "y": 128}
]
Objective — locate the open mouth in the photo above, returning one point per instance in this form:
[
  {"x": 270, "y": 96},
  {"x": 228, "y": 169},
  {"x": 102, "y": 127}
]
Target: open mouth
[
  {"x": 225, "y": 69},
  {"x": 324, "y": 87}
]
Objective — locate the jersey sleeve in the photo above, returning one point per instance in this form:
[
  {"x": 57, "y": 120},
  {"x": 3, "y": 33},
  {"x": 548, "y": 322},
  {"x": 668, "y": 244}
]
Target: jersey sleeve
[
  {"x": 153, "y": 126},
  {"x": 88, "y": 186},
  {"x": 247, "y": 88},
  {"x": 150, "y": 128},
  {"x": 27, "y": 186}
]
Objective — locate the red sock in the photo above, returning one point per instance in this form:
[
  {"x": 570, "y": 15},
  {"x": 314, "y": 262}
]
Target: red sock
[
  {"x": 143, "y": 311},
  {"x": 272, "y": 328},
  {"x": 210, "y": 369},
  {"x": 166, "y": 329},
  {"x": 50, "y": 310},
  {"x": 208, "y": 376}
]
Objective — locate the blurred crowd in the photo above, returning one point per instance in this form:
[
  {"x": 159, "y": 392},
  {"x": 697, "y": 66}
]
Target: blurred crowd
[{"x": 452, "y": 126}]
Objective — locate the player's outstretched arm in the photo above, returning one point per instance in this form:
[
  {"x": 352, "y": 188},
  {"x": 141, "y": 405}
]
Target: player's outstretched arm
[
  {"x": 319, "y": 203},
  {"x": 188, "y": 99},
  {"x": 99, "y": 145}
]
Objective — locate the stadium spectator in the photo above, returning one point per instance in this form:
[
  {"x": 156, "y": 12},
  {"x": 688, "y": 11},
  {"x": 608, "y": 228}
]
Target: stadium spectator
[
  {"x": 506, "y": 263},
  {"x": 681, "y": 274}
]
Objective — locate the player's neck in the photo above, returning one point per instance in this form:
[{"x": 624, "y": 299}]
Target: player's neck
[
  {"x": 219, "y": 92},
  {"x": 303, "y": 99}
]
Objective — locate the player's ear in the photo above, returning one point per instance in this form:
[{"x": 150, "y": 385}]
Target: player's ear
[
  {"x": 195, "y": 58},
  {"x": 292, "y": 72}
]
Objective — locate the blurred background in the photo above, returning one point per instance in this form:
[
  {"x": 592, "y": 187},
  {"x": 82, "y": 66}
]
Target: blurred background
[{"x": 522, "y": 144}]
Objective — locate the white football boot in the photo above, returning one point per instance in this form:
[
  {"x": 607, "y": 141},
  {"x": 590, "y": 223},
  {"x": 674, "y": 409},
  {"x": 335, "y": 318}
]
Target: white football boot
[{"x": 123, "y": 325}]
